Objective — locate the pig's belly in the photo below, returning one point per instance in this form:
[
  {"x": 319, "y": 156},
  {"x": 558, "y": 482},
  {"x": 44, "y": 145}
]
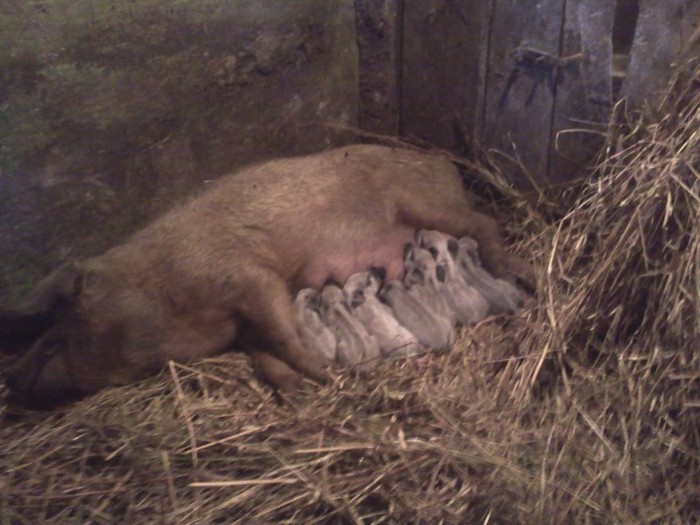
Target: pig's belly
[{"x": 338, "y": 259}]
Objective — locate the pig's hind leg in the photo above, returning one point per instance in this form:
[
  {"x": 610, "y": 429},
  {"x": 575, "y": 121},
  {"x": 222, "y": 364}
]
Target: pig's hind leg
[{"x": 452, "y": 214}]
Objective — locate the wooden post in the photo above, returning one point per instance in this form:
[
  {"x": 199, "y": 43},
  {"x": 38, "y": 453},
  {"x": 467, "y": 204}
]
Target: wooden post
[
  {"x": 440, "y": 74},
  {"x": 519, "y": 91},
  {"x": 378, "y": 25},
  {"x": 657, "y": 42},
  {"x": 584, "y": 92}
]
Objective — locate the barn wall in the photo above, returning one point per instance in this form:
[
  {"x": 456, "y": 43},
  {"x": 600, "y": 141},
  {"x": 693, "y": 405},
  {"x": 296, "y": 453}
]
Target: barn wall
[
  {"x": 584, "y": 90},
  {"x": 441, "y": 78},
  {"x": 110, "y": 111},
  {"x": 661, "y": 32},
  {"x": 533, "y": 83},
  {"x": 379, "y": 43},
  {"x": 520, "y": 94}
]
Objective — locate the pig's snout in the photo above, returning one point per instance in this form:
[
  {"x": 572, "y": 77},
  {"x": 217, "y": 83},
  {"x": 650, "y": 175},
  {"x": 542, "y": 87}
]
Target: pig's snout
[{"x": 41, "y": 379}]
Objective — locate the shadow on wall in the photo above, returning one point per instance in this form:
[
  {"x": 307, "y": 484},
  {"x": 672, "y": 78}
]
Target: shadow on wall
[{"x": 110, "y": 111}]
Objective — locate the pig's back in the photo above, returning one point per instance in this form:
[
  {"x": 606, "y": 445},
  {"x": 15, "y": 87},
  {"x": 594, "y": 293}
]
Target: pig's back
[{"x": 327, "y": 214}]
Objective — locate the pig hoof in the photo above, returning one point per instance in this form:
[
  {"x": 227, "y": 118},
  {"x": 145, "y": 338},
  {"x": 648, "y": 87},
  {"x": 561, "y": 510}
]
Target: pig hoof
[
  {"x": 279, "y": 374},
  {"x": 290, "y": 384},
  {"x": 522, "y": 273},
  {"x": 319, "y": 371}
]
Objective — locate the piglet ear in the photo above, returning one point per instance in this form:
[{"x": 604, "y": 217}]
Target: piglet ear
[
  {"x": 379, "y": 272},
  {"x": 357, "y": 299},
  {"x": 441, "y": 273},
  {"x": 414, "y": 277},
  {"x": 315, "y": 302},
  {"x": 311, "y": 298},
  {"x": 453, "y": 248}
]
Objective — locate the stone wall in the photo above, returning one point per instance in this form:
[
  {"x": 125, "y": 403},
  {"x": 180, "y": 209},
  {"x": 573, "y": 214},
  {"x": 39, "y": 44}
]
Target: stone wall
[{"x": 111, "y": 111}]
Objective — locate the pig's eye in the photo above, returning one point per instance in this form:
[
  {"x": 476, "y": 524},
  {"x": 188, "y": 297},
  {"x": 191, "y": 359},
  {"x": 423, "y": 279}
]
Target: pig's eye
[
  {"x": 49, "y": 350},
  {"x": 434, "y": 252}
]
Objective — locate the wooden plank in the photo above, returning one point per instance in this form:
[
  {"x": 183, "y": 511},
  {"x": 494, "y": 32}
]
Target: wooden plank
[
  {"x": 486, "y": 16},
  {"x": 584, "y": 91},
  {"x": 690, "y": 28},
  {"x": 519, "y": 95},
  {"x": 440, "y": 84},
  {"x": 378, "y": 38},
  {"x": 657, "y": 41}
]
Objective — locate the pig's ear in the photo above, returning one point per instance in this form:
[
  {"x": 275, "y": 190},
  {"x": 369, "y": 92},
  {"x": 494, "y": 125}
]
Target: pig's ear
[
  {"x": 19, "y": 328},
  {"x": 61, "y": 287},
  {"x": 18, "y": 331}
]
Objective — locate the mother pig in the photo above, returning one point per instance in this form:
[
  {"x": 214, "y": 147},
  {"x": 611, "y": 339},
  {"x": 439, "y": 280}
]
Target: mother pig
[{"x": 220, "y": 269}]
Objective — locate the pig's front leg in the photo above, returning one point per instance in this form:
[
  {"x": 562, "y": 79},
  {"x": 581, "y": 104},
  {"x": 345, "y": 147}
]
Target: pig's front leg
[
  {"x": 275, "y": 371},
  {"x": 264, "y": 302}
]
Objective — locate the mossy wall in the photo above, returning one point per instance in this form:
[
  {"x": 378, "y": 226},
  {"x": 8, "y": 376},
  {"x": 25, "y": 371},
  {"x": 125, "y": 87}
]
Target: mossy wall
[{"x": 111, "y": 111}]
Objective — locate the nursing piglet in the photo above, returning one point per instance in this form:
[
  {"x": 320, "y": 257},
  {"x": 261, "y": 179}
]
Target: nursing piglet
[
  {"x": 394, "y": 339},
  {"x": 356, "y": 346}
]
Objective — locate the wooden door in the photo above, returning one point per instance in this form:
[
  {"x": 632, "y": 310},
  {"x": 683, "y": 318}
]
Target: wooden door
[{"x": 532, "y": 82}]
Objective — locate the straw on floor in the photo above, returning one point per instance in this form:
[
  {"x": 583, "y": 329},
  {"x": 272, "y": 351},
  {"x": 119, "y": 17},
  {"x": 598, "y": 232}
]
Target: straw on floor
[{"x": 582, "y": 408}]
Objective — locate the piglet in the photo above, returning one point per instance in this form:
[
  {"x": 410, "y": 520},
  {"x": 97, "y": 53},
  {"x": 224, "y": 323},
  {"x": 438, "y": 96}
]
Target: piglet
[
  {"x": 461, "y": 258},
  {"x": 313, "y": 331},
  {"x": 394, "y": 340},
  {"x": 426, "y": 279},
  {"x": 425, "y": 324},
  {"x": 502, "y": 296},
  {"x": 468, "y": 303},
  {"x": 356, "y": 346},
  {"x": 418, "y": 306}
]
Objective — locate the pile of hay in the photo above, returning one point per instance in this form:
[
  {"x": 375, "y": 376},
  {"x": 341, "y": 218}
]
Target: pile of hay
[{"x": 581, "y": 409}]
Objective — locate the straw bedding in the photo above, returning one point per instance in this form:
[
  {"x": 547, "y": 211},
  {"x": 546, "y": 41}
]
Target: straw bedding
[{"x": 582, "y": 408}]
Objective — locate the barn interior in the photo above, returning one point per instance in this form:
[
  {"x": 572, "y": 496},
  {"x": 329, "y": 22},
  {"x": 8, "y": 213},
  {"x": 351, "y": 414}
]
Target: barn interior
[{"x": 574, "y": 122}]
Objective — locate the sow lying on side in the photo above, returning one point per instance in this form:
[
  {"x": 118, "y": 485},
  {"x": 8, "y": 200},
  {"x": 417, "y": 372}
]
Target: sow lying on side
[{"x": 219, "y": 271}]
